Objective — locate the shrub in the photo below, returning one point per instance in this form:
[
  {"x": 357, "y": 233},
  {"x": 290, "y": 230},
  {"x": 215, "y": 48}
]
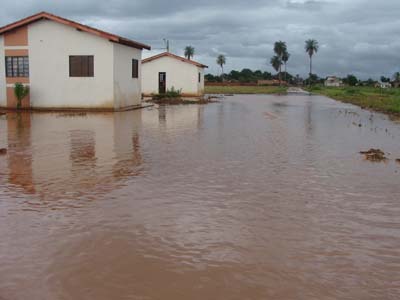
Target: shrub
[
  {"x": 316, "y": 88},
  {"x": 20, "y": 92},
  {"x": 171, "y": 93},
  {"x": 352, "y": 91}
]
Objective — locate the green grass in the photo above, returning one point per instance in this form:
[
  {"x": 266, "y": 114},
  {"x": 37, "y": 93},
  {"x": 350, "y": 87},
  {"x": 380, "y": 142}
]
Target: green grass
[
  {"x": 383, "y": 100},
  {"x": 245, "y": 90}
]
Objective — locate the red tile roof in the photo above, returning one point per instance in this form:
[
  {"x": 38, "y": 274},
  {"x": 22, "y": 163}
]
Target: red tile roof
[
  {"x": 173, "y": 56},
  {"x": 44, "y": 15}
]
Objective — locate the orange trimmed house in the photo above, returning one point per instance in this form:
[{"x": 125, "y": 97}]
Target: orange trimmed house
[
  {"x": 68, "y": 65},
  {"x": 165, "y": 71}
]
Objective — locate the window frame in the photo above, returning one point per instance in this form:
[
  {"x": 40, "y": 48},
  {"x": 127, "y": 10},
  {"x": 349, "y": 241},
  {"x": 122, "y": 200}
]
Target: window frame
[
  {"x": 199, "y": 77},
  {"x": 88, "y": 65},
  {"x": 135, "y": 68},
  {"x": 16, "y": 72}
]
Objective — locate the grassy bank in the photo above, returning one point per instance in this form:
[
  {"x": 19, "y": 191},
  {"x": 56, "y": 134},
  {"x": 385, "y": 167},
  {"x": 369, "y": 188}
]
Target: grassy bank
[
  {"x": 382, "y": 100},
  {"x": 245, "y": 90}
]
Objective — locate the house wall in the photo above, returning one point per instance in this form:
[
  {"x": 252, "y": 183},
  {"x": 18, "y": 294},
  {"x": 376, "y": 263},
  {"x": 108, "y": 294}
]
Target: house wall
[
  {"x": 50, "y": 45},
  {"x": 332, "y": 84},
  {"x": 127, "y": 90},
  {"x": 200, "y": 85},
  {"x": 3, "y": 88},
  {"x": 180, "y": 75}
]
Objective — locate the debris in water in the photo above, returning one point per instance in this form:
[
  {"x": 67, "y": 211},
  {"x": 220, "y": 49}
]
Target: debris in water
[
  {"x": 376, "y": 155},
  {"x": 3, "y": 151}
]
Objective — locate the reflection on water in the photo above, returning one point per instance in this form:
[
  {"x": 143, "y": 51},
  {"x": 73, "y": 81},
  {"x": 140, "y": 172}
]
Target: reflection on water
[
  {"x": 256, "y": 197},
  {"x": 19, "y": 141},
  {"x": 61, "y": 158}
]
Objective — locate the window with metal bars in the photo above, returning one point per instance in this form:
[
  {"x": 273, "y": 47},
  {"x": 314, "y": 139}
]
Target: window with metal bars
[{"x": 17, "y": 66}]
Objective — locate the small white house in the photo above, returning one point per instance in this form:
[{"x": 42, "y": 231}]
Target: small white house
[
  {"x": 383, "y": 85},
  {"x": 68, "y": 65},
  {"x": 333, "y": 81},
  {"x": 165, "y": 71}
]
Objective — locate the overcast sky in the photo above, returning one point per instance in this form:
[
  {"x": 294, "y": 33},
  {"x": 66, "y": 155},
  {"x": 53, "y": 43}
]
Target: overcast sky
[{"x": 356, "y": 36}]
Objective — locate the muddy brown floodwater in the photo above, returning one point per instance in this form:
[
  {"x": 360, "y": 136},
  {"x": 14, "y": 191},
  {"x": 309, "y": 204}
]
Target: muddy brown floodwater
[{"x": 254, "y": 197}]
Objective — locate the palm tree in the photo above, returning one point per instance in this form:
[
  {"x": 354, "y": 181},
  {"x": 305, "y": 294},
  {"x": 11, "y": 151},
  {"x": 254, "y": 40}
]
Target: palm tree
[
  {"x": 221, "y": 61},
  {"x": 276, "y": 63},
  {"x": 285, "y": 59},
  {"x": 280, "y": 49},
  {"x": 189, "y": 52},
  {"x": 311, "y": 48}
]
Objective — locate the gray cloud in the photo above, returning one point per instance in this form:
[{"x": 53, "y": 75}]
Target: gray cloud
[{"x": 358, "y": 36}]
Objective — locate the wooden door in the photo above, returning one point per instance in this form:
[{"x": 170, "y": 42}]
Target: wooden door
[{"x": 162, "y": 83}]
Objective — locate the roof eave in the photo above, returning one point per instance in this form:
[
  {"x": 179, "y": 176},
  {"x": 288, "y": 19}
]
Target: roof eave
[
  {"x": 167, "y": 54},
  {"x": 78, "y": 26},
  {"x": 133, "y": 44}
]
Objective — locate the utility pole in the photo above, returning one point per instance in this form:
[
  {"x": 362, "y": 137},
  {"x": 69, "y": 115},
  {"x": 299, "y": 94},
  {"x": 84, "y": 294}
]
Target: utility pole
[{"x": 166, "y": 44}]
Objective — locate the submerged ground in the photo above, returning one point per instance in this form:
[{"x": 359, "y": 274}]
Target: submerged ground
[
  {"x": 253, "y": 197},
  {"x": 383, "y": 100}
]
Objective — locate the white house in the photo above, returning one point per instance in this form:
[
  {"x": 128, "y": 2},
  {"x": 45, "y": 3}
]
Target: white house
[
  {"x": 68, "y": 65},
  {"x": 333, "y": 81},
  {"x": 383, "y": 85},
  {"x": 166, "y": 70}
]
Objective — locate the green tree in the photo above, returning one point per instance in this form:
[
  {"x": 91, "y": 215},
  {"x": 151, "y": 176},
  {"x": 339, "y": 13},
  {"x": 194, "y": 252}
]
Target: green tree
[
  {"x": 313, "y": 78},
  {"x": 20, "y": 92},
  {"x": 212, "y": 78},
  {"x": 189, "y": 52},
  {"x": 351, "y": 80},
  {"x": 267, "y": 76},
  {"x": 396, "y": 79},
  {"x": 276, "y": 63},
  {"x": 221, "y": 61},
  {"x": 280, "y": 49},
  {"x": 311, "y": 48}
]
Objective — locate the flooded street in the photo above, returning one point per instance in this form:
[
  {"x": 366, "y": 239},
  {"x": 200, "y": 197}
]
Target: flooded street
[{"x": 254, "y": 197}]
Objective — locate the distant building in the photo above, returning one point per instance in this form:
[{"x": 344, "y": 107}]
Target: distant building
[
  {"x": 270, "y": 82},
  {"x": 383, "y": 85},
  {"x": 333, "y": 81},
  {"x": 165, "y": 71}
]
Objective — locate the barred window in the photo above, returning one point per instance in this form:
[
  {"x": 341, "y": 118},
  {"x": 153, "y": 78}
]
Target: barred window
[
  {"x": 81, "y": 66},
  {"x": 17, "y": 66}
]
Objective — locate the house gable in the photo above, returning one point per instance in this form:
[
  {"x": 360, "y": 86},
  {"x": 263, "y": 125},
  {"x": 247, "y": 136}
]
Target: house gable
[{"x": 175, "y": 57}]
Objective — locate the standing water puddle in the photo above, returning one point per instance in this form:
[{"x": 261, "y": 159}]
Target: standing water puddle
[{"x": 254, "y": 197}]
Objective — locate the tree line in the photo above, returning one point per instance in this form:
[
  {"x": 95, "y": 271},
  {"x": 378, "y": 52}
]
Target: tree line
[{"x": 278, "y": 60}]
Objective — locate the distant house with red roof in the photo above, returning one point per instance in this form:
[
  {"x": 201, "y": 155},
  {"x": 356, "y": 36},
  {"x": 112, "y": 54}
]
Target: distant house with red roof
[
  {"x": 165, "y": 71},
  {"x": 68, "y": 65}
]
